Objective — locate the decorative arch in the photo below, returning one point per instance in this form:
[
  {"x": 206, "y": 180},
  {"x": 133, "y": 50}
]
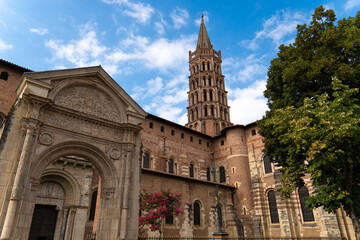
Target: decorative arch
[
  {"x": 67, "y": 181},
  {"x": 87, "y": 151}
]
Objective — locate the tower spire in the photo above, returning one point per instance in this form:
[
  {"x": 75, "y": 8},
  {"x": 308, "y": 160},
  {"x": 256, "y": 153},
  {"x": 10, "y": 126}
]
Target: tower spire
[
  {"x": 208, "y": 110},
  {"x": 203, "y": 38}
]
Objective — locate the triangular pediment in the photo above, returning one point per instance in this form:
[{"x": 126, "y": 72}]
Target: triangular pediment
[{"x": 89, "y": 90}]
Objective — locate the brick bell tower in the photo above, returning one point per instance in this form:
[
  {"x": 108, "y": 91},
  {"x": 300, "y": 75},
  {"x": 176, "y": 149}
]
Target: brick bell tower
[{"x": 208, "y": 110}]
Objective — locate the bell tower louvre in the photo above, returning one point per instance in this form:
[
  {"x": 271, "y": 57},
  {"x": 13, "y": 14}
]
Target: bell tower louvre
[{"x": 208, "y": 110}]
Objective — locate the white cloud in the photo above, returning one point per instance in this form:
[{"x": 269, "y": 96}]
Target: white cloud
[
  {"x": 160, "y": 27},
  {"x": 247, "y": 105},
  {"x": 132, "y": 53},
  {"x": 154, "y": 86},
  {"x": 183, "y": 119},
  {"x": 169, "y": 112},
  {"x": 350, "y": 4},
  {"x": 177, "y": 97},
  {"x": 244, "y": 70},
  {"x": 279, "y": 26},
  {"x": 4, "y": 46},
  {"x": 82, "y": 52},
  {"x": 179, "y": 17},
  {"x": 162, "y": 54},
  {"x": 39, "y": 31},
  {"x": 139, "y": 11}
]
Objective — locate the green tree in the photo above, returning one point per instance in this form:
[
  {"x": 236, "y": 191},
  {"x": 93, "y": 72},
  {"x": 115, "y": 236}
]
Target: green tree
[{"x": 312, "y": 126}]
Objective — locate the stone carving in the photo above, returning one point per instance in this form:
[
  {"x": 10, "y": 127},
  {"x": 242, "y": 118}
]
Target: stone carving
[
  {"x": 89, "y": 100},
  {"x": 115, "y": 153},
  {"x": 86, "y": 127},
  {"x": 46, "y": 138},
  {"x": 107, "y": 193},
  {"x": 51, "y": 190}
]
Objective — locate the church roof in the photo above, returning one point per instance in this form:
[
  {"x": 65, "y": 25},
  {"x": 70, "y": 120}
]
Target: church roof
[{"x": 203, "y": 39}]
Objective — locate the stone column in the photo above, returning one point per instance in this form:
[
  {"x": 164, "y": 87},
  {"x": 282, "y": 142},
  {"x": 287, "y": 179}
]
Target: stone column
[
  {"x": 125, "y": 204},
  {"x": 63, "y": 223},
  {"x": 20, "y": 178}
]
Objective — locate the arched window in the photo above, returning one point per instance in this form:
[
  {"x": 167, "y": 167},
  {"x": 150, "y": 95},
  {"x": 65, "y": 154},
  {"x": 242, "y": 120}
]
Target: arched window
[
  {"x": 93, "y": 205},
  {"x": 222, "y": 174},
  {"x": 205, "y": 96},
  {"x": 219, "y": 213},
  {"x": 204, "y": 81},
  {"x": 4, "y": 76},
  {"x": 206, "y": 111},
  {"x": 193, "y": 69},
  {"x": 191, "y": 170},
  {"x": 210, "y": 95},
  {"x": 267, "y": 164},
  {"x": 273, "y": 207},
  {"x": 151, "y": 125},
  {"x": 307, "y": 213},
  {"x": 146, "y": 163},
  {"x": 197, "y": 213},
  {"x": 193, "y": 84},
  {"x": 208, "y": 174},
  {"x": 208, "y": 66},
  {"x": 203, "y": 66},
  {"x": 209, "y": 81},
  {"x": 171, "y": 166}
]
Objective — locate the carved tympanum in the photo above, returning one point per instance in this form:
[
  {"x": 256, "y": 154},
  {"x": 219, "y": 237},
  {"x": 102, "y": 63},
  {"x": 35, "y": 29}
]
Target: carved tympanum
[{"x": 89, "y": 100}]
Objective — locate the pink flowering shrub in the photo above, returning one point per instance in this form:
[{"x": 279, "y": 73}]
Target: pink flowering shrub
[{"x": 155, "y": 207}]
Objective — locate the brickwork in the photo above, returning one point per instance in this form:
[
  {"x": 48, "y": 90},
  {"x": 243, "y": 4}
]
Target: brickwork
[{"x": 12, "y": 73}]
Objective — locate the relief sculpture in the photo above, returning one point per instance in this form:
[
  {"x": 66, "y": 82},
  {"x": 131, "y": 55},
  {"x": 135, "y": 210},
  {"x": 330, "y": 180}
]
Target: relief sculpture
[{"x": 89, "y": 100}]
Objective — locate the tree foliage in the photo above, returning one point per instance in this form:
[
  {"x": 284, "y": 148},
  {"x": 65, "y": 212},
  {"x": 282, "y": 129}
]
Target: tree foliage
[
  {"x": 313, "y": 124},
  {"x": 155, "y": 207}
]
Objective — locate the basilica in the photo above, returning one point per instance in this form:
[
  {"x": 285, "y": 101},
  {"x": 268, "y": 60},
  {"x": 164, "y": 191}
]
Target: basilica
[{"x": 76, "y": 150}]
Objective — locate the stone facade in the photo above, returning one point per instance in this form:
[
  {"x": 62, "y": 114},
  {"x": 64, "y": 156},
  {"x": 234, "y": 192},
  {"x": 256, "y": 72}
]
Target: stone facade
[
  {"x": 75, "y": 146},
  {"x": 52, "y": 142}
]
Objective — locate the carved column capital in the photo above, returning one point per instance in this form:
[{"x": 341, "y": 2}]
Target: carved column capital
[
  {"x": 31, "y": 126},
  {"x": 36, "y": 105}
]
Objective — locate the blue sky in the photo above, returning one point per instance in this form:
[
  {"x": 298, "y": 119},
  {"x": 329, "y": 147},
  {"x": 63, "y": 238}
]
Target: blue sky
[{"x": 144, "y": 45}]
